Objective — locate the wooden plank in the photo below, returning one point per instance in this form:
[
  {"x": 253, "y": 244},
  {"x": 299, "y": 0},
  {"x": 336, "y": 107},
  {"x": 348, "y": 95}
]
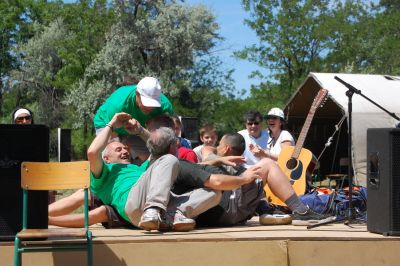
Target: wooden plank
[
  {"x": 47, "y": 233},
  {"x": 55, "y": 175},
  {"x": 252, "y": 244},
  {"x": 333, "y": 253}
]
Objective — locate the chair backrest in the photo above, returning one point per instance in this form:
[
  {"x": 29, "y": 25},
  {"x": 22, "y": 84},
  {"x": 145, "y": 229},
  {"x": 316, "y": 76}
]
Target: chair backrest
[{"x": 55, "y": 175}]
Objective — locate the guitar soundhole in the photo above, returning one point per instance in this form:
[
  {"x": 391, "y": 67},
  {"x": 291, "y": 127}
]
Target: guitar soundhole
[{"x": 291, "y": 164}]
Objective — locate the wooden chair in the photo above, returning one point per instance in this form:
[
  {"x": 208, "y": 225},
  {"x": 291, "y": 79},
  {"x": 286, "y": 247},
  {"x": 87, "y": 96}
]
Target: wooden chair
[{"x": 54, "y": 176}]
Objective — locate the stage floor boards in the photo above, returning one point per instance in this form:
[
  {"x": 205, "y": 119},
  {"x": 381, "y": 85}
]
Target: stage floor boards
[{"x": 252, "y": 244}]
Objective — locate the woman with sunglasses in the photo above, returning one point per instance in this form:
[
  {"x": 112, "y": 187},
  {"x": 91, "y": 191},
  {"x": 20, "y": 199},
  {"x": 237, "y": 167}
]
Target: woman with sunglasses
[
  {"x": 278, "y": 136},
  {"x": 254, "y": 135},
  {"x": 22, "y": 115}
]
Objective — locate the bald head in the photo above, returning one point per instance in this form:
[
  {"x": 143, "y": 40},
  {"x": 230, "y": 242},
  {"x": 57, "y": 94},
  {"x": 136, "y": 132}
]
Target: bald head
[
  {"x": 231, "y": 144},
  {"x": 116, "y": 152}
]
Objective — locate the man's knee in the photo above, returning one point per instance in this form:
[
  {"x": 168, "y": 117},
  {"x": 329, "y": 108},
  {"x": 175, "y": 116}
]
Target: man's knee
[{"x": 267, "y": 162}]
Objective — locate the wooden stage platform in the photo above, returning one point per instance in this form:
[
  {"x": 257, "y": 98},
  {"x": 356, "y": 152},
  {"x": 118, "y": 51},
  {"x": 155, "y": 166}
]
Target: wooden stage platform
[{"x": 253, "y": 244}]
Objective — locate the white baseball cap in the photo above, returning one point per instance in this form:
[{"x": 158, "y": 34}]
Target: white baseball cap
[
  {"x": 150, "y": 91},
  {"x": 276, "y": 112}
]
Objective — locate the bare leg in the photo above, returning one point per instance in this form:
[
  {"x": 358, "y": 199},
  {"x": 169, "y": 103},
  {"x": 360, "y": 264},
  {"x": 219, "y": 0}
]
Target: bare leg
[
  {"x": 97, "y": 215},
  {"x": 67, "y": 205},
  {"x": 276, "y": 179}
]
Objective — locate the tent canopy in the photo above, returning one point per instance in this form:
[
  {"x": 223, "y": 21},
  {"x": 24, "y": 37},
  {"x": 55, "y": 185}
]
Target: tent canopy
[{"x": 384, "y": 90}]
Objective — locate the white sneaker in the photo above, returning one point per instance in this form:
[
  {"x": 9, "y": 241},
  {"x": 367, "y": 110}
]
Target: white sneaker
[
  {"x": 182, "y": 223},
  {"x": 150, "y": 219}
]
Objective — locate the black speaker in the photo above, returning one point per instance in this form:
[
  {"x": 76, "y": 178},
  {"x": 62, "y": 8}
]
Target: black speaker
[
  {"x": 383, "y": 180},
  {"x": 191, "y": 129},
  {"x": 64, "y": 145},
  {"x": 20, "y": 143}
]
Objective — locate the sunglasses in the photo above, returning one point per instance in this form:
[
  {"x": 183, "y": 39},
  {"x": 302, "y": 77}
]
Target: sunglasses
[
  {"x": 253, "y": 123},
  {"x": 273, "y": 117},
  {"x": 22, "y": 118}
]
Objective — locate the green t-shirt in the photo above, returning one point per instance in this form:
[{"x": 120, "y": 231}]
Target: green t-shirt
[
  {"x": 124, "y": 100},
  {"x": 115, "y": 182}
]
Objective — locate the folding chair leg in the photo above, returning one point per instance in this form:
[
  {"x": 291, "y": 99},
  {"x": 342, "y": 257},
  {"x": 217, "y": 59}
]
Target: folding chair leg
[
  {"x": 17, "y": 254},
  {"x": 89, "y": 249}
]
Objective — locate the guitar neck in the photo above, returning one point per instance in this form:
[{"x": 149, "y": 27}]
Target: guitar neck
[{"x": 303, "y": 134}]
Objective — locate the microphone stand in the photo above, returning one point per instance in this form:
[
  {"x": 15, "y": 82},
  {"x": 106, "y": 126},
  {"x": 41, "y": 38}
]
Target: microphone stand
[{"x": 349, "y": 93}]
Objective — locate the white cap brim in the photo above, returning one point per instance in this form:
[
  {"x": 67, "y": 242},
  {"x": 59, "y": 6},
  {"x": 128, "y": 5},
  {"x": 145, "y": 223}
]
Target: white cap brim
[{"x": 150, "y": 102}]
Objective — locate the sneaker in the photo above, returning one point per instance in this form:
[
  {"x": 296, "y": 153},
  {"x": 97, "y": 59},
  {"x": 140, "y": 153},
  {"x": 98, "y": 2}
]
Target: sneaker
[
  {"x": 275, "y": 219},
  {"x": 150, "y": 219},
  {"x": 309, "y": 218},
  {"x": 182, "y": 223}
]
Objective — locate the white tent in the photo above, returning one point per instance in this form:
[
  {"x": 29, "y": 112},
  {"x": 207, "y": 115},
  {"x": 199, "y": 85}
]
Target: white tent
[{"x": 384, "y": 90}]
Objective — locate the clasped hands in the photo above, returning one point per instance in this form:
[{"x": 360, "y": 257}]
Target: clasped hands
[{"x": 131, "y": 125}]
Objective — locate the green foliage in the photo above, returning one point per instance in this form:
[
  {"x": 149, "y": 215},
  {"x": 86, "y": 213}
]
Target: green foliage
[
  {"x": 63, "y": 59},
  {"x": 298, "y": 37},
  {"x": 292, "y": 38},
  {"x": 150, "y": 39}
]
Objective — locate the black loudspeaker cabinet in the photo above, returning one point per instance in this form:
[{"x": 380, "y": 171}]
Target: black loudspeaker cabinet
[
  {"x": 383, "y": 180},
  {"x": 20, "y": 143},
  {"x": 191, "y": 129},
  {"x": 64, "y": 145}
]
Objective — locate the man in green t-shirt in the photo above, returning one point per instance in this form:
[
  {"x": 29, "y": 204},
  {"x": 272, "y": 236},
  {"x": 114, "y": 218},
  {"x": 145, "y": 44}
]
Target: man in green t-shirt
[
  {"x": 140, "y": 194},
  {"x": 142, "y": 101}
]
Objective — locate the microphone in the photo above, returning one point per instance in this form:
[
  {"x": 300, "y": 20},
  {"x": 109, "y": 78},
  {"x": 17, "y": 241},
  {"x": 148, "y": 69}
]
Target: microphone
[{"x": 350, "y": 87}]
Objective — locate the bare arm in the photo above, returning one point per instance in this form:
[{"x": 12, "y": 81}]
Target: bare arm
[
  {"x": 226, "y": 160},
  {"x": 101, "y": 141},
  {"x": 98, "y": 215},
  {"x": 228, "y": 182},
  {"x": 135, "y": 128},
  {"x": 261, "y": 153}
]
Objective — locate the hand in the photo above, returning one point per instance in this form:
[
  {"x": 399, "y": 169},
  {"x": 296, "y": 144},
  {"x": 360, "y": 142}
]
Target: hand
[
  {"x": 252, "y": 174},
  {"x": 133, "y": 127},
  {"x": 232, "y": 160},
  {"x": 119, "y": 120},
  {"x": 257, "y": 150}
]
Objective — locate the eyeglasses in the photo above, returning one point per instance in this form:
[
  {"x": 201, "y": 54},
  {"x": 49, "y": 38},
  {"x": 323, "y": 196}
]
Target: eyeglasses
[
  {"x": 253, "y": 123},
  {"x": 22, "y": 118}
]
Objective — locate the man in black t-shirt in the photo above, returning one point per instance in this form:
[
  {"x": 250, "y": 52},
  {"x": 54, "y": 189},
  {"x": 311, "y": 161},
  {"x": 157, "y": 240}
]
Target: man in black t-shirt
[{"x": 239, "y": 205}]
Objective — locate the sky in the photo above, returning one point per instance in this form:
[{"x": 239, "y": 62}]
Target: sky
[{"x": 230, "y": 16}]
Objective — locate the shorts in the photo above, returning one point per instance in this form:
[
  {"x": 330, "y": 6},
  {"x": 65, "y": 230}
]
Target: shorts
[{"x": 243, "y": 203}]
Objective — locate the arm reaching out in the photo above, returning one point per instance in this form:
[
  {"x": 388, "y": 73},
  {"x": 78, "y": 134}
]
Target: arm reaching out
[
  {"x": 226, "y": 160},
  {"x": 101, "y": 140},
  {"x": 135, "y": 128},
  {"x": 228, "y": 182}
]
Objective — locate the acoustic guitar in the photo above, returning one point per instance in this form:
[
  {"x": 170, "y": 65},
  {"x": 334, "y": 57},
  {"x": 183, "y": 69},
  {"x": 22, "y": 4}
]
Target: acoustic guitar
[{"x": 294, "y": 161}]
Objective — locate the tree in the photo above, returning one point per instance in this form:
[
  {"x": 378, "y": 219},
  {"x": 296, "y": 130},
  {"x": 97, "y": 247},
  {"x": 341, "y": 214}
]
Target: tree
[
  {"x": 40, "y": 69},
  {"x": 351, "y": 28},
  {"x": 13, "y": 29},
  {"x": 150, "y": 38},
  {"x": 297, "y": 37},
  {"x": 292, "y": 38}
]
